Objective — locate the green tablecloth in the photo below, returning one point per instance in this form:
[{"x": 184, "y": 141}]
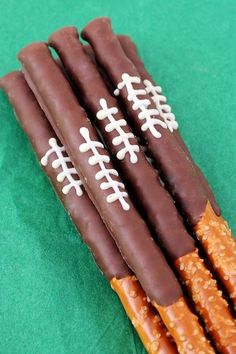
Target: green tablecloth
[{"x": 53, "y": 300}]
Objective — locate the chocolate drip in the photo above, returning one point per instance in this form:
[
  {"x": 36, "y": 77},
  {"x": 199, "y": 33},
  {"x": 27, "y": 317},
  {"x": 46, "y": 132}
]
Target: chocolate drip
[
  {"x": 126, "y": 226},
  {"x": 152, "y": 197},
  {"x": 177, "y": 169},
  {"x": 80, "y": 208},
  {"x": 130, "y": 50}
]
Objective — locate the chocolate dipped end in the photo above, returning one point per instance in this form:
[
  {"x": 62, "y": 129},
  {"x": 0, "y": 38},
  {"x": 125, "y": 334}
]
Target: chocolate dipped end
[
  {"x": 80, "y": 208},
  {"x": 153, "y": 198},
  {"x": 177, "y": 171},
  {"x": 131, "y": 51},
  {"x": 93, "y": 33},
  {"x": 126, "y": 226},
  {"x": 66, "y": 42}
]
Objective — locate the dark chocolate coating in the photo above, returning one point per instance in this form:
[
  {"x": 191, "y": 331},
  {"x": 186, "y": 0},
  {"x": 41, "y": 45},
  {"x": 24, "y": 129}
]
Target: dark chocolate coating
[
  {"x": 80, "y": 208},
  {"x": 152, "y": 197},
  {"x": 126, "y": 227},
  {"x": 131, "y": 51},
  {"x": 177, "y": 169}
]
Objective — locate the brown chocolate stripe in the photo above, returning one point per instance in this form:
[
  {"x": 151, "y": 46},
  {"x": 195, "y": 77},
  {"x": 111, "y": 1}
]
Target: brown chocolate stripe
[
  {"x": 87, "y": 220},
  {"x": 127, "y": 227},
  {"x": 152, "y": 197},
  {"x": 178, "y": 171},
  {"x": 131, "y": 51}
]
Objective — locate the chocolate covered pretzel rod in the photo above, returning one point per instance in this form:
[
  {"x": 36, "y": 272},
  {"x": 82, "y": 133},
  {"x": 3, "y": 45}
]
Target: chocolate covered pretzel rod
[
  {"x": 213, "y": 244},
  {"x": 178, "y": 171},
  {"x": 152, "y": 197},
  {"x": 110, "y": 197},
  {"x": 155, "y": 91},
  {"x": 58, "y": 167}
]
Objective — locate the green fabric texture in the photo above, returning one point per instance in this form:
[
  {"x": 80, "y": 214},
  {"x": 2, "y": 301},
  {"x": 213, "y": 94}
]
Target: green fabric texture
[{"x": 53, "y": 299}]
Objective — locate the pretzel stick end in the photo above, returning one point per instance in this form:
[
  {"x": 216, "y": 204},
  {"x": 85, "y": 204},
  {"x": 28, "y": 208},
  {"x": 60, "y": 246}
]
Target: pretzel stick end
[
  {"x": 218, "y": 242},
  {"x": 185, "y": 328},
  {"x": 143, "y": 317},
  {"x": 208, "y": 300}
]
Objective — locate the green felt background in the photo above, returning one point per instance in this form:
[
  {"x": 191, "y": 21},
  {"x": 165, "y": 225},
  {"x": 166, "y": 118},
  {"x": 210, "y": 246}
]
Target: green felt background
[{"x": 53, "y": 300}]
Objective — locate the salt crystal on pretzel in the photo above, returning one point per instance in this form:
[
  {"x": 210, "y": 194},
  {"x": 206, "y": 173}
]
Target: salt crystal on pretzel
[
  {"x": 180, "y": 174},
  {"x": 125, "y": 225},
  {"x": 56, "y": 162},
  {"x": 152, "y": 197}
]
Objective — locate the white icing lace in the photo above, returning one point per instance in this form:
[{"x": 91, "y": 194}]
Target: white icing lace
[
  {"x": 62, "y": 161},
  {"x": 101, "y": 160},
  {"x": 163, "y": 108},
  {"x": 123, "y": 137},
  {"x": 148, "y": 115}
]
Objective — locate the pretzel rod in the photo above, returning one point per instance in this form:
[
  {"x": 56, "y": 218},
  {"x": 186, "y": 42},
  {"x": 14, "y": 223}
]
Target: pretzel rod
[
  {"x": 160, "y": 101},
  {"x": 221, "y": 244},
  {"x": 86, "y": 218},
  {"x": 178, "y": 171},
  {"x": 147, "y": 323},
  {"x": 89, "y": 157},
  {"x": 160, "y": 210},
  {"x": 104, "y": 186}
]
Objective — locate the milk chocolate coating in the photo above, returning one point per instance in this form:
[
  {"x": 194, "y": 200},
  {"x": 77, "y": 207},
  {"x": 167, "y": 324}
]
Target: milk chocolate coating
[
  {"x": 127, "y": 227},
  {"x": 131, "y": 51},
  {"x": 177, "y": 169},
  {"x": 80, "y": 208},
  {"x": 87, "y": 48},
  {"x": 152, "y": 197}
]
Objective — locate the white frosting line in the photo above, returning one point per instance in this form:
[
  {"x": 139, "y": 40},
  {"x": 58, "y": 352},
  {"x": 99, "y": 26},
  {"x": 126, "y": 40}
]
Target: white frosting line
[
  {"x": 62, "y": 161},
  {"x": 123, "y": 137},
  {"x": 101, "y": 160},
  {"x": 148, "y": 115},
  {"x": 160, "y": 101}
]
